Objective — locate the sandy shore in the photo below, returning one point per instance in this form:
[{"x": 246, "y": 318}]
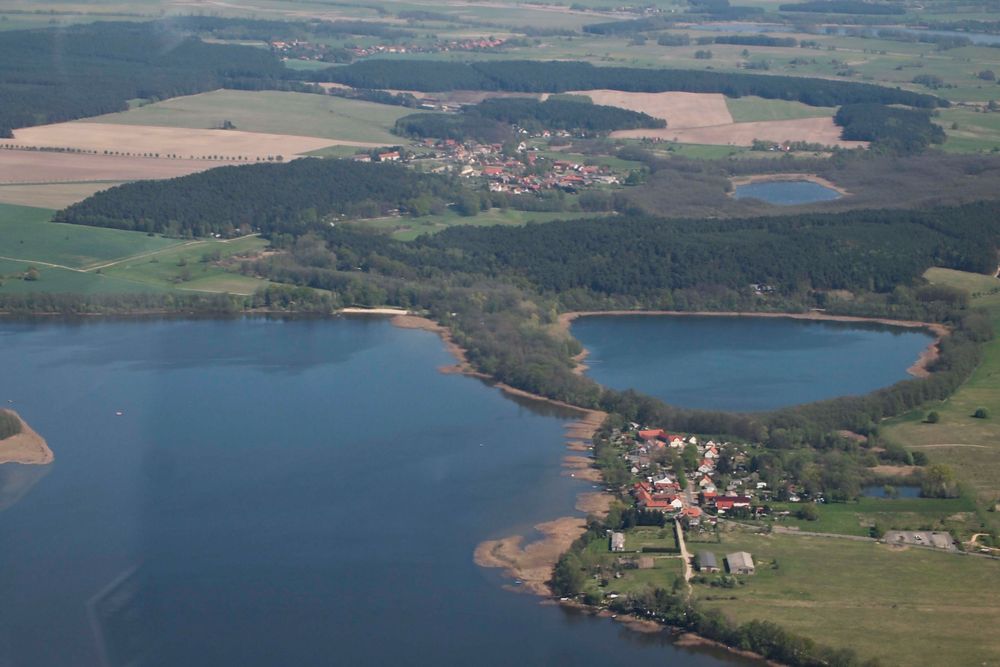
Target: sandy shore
[
  {"x": 373, "y": 311},
  {"x": 531, "y": 563},
  {"x": 26, "y": 447},
  {"x": 764, "y": 178},
  {"x": 918, "y": 369}
]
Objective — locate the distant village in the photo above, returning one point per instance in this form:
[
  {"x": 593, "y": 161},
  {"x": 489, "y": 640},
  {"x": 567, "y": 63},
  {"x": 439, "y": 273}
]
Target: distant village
[
  {"x": 526, "y": 173},
  {"x": 303, "y": 50},
  {"x": 696, "y": 483}
]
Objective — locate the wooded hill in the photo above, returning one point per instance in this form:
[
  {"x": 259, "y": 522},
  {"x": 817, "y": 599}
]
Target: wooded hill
[
  {"x": 54, "y": 75},
  {"x": 490, "y": 120},
  {"x": 530, "y": 76},
  {"x": 285, "y": 198}
]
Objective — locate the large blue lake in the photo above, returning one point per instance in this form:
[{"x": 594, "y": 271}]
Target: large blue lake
[
  {"x": 745, "y": 363},
  {"x": 303, "y": 492}
]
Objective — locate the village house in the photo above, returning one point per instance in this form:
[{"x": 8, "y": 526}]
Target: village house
[
  {"x": 705, "y": 561},
  {"x": 740, "y": 563}
]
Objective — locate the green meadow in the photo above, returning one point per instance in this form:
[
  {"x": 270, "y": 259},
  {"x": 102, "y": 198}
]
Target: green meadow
[{"x": 272, "y": 112}]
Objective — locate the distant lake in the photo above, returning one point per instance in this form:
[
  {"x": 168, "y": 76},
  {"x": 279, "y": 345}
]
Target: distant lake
[
  {"x": 745, "y": 363},
  {"x": 278, "y": 492},
  {"x": 878, "y": 491},
  {"x": 786, "y": 193}
]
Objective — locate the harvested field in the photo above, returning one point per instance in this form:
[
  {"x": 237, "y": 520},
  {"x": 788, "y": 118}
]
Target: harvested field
[
  {"x": 680, "y": 110},
  {"x": 813, "y": 130},
  {"x": 184, "y": 142},
  {"x": 38, "y": 167},
  {"x": 51, "y": 195},
  {"x": 341, "y": 121}
]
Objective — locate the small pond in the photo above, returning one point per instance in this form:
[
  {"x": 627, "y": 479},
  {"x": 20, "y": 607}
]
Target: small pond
[
  {"x": 878, "y": 491},
  {"x": 786, "y": 193}
]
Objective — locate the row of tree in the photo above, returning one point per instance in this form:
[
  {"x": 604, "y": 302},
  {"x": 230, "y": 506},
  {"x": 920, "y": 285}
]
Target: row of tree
[{"x": 537, "y": 76}]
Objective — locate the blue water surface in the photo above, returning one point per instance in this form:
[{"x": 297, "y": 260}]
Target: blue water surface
[
  {"x": 277, "y": 492},
  {"x": 786, "y": 193},
  {"x": 745, "y": 363}
]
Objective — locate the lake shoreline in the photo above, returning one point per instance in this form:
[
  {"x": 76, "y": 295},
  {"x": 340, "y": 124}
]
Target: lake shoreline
[
  {"x": 919, "y": 368},
  {"x": 784, "y": 178},
  {"x": 531, "y": 563},
  {"x": 26, "y": 447}
]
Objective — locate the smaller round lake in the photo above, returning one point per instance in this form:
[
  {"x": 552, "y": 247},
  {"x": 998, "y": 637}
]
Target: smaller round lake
[
  {"x": 786, "y": 193},
  {"x": 745, "y": 364}
]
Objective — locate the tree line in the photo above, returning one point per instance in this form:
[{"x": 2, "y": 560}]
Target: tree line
[
  {"x": 888, "y": 128},
  {"x": 538, "y": 77},
  {"x": 845, "y": 7},
  {"x": 10, "y": 425},
  {"x": 50, "y": 76},
  {"x": 289, "y": 198},
  {"x": 490, "y": 121}
]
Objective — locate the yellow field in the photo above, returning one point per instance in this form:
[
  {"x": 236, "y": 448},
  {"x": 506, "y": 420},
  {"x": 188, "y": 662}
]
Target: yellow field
[
  {"x": 50, "y": 195},
  {"x": 680, "y": 110},
  {"x": 18, "y": 166},
  {"x": 183, "y": 142},
  {"x": 813, "y": 130}
]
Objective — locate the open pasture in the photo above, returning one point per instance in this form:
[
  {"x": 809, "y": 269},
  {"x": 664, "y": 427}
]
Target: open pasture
[
  {"x": 886, "y": 603},
  {"x": 51, "y": 195},
  {"x": 339, "y": 120},
  {"x": 28, "y": 234},
  {"x": 968, "y": 445}
]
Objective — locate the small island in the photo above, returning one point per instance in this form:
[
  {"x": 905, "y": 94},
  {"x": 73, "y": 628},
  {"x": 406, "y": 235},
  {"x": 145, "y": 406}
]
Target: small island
[{"x": 19, "y": 443}]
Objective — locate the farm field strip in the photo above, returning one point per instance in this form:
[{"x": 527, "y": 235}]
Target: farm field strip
[{"x": 812, "y": 130}]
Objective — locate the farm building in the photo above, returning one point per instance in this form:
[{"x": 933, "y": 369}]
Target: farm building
[
  {"x": 706, "y": 562},
  {"x": 740, "y": 563}
]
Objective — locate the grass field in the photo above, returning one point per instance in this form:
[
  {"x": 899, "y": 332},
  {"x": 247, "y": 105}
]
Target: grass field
[
  {"x": 191, "y": 266},
  {"x": 667, "y": 566},
  {"x": 271, "y": 112},
  {"x": 51, "y": 195},
  {"x": 976, "y": 131},
  {"x": 61, "y": 281},
  {"x": 970, "y": 446},
  {"x": 904, "y": 607},
  {"x": 855, "y": 518},
  {"x": 27, "y": 234},
  {"x": 407, "y": 229},
  {"x": 749, "y": 109}
]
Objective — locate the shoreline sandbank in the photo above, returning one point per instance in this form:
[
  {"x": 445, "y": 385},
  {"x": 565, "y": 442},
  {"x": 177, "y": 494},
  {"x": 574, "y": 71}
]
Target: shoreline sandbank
[{"x": 26, "y": 447}]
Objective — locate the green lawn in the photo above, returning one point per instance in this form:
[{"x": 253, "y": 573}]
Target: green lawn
[
  {"x": 61, "y": 281},
  {"x": 27, "y": 233},
  {"x": 855, "y": 518},
  {"x": 904, "y": 607},
  {"x": 666, "y": 566},
  {"x": 272, "y": 112},
  {"x": 748, "y": 109},
  {"x": 407, "y": 229},
  {"x": 191, "y": 266},
  {"x": 975, "y": 131}
]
